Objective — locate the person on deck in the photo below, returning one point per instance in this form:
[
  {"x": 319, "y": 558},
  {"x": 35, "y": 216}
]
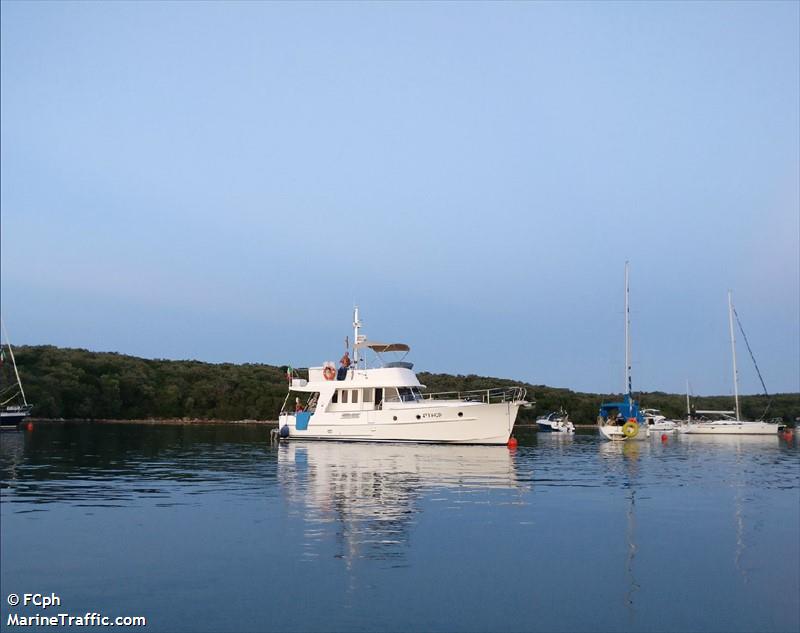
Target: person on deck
[{"x": 344, "y": 363}]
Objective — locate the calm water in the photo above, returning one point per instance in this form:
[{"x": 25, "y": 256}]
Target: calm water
[{"x": 209, "y": 528}]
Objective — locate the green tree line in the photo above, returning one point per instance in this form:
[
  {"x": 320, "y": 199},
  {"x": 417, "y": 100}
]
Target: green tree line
[{"x": 79, "y": 384}]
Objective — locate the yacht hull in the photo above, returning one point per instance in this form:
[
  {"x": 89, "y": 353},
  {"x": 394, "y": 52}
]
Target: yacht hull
[
  {"x": 731, "y": 428},
  {"x": 13, "y": 417},
  {"x": 467, "y": 423},
  {"x": 614, "y": 433},
  {"x": 553, "y": 427}
]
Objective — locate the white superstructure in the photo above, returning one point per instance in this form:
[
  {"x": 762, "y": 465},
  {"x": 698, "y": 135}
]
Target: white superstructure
[{"x": 386, "y": 403}]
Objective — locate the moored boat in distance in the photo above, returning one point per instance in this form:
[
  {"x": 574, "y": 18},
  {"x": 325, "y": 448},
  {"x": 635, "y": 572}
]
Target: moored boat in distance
[
  {"x": 730, "y": 422},
  {"x": 727, "y": 423},
  {"x": 14, "y": 407},
  {"x": 622, "y": 420},
  {"x": 555, "y": 422},
  {"x": 657, "y": 422},
  {"x": 386, "y": 403}
]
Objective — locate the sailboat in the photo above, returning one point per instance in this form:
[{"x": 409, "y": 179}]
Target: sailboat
[
  {"x": 14, "y": 407},
  {"x": 622, "y": 420},
  {"x": 729, "y": 422}
]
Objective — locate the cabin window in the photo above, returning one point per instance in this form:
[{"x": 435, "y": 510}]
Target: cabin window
[
  {"x": 335, "y": 398},
  {"x": 378, "y": 395},
  {"x": 391, "y": 394},
  {"x": 368, "y": 395},
  {"x": 416, "y": 393},
  {"x": 405, "y": 394},
  {"x": 344, "y": 396},
  {"x": 354, "y": 396}
]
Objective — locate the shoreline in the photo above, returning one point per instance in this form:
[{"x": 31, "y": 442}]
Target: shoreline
[
  {"x": 201, "y": 421},
  {"x": 151, "y": 421}
]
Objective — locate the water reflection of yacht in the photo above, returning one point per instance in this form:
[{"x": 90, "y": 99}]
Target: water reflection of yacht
[
  {"x": 731, "y": 442},
  {"x": 370, "y": 491},
  {"x": 625, "y": 457},
  {"x": 12, "y": 448},
  {"x": 740, "y": 448}
]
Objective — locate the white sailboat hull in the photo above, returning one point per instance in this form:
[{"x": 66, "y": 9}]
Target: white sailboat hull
[
  {"x": 614, "y": 432},
  {"x": 454, "y": 423},
  {"x": 730, "y": 427}
]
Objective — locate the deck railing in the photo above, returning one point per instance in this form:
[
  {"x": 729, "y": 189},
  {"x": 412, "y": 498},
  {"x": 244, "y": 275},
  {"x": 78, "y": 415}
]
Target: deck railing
[{"x": 486, "y": 396}]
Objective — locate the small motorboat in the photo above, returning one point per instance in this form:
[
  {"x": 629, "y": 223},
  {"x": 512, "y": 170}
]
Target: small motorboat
[
  {"x": 555, "y": 422},
  {"x": 656, "y": 422}
]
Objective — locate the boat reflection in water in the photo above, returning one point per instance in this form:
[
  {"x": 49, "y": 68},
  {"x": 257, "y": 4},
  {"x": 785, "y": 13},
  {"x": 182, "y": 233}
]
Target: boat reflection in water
[
  {"x": 12, "y": 450},
  {"x": 371, "y": 492},
  {"x": 622, "y": 459}
]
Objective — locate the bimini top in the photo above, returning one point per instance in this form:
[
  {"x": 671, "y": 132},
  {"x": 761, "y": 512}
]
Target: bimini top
[
  {"x": 628, "y": 408},
  {"x": 383, "y": 347}
]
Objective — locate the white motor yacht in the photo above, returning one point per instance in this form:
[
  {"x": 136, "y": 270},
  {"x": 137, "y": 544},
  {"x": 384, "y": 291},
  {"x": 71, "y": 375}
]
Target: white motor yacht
[
  {"x": 656, "y": 422},
  {"x": 387, "y": 403}
]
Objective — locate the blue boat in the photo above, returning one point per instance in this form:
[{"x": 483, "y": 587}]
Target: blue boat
[{"x": 622, "y": 420}]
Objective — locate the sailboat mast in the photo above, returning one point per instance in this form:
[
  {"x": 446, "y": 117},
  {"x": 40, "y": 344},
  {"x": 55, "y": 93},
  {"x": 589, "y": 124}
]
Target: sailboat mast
[
  {"x": 688, "y": 403},
  {"x": 733, "y": 353},
  {"x": 14, "y": 363},
  {"x": 628, "y": 386}
]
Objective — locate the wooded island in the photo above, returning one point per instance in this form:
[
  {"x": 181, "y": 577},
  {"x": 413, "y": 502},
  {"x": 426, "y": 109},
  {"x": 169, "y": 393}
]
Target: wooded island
[{"x": 79, "y": 384}]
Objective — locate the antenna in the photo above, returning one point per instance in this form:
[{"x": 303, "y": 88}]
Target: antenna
[{"x": 356, "y": 341}]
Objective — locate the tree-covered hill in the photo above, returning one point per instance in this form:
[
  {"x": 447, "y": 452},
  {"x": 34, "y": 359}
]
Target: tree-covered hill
[{"x": 79, "y": 384}]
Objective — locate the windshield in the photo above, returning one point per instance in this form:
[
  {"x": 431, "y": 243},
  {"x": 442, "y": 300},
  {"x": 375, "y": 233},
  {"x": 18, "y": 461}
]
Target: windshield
[{"x": 409, "y": 394}]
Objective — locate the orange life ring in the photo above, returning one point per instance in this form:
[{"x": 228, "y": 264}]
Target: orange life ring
[{"x": 329, "y": 373}]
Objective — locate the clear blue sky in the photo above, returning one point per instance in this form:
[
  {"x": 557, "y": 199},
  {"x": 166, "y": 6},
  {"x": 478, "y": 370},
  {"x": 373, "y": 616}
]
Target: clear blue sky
[{"x": 222, "y": 181}]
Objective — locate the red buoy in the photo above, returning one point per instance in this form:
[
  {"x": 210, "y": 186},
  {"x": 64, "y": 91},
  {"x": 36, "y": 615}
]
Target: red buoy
[
  {"x": 663, "y": 437},
  {"x": 512, "y": 442},
  {"x": 29, "y": 426}
]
